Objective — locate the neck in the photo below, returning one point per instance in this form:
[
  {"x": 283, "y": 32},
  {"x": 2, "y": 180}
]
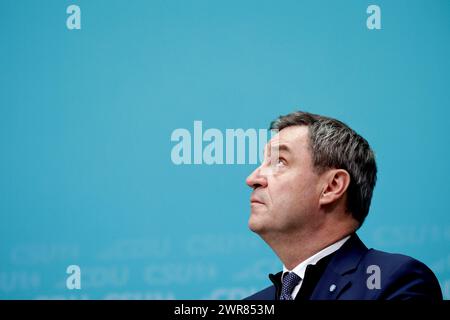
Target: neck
[{"x": 293, "y": 249}]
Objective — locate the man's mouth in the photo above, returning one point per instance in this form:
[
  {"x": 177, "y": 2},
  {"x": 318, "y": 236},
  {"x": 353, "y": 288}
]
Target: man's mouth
[{"x": 254, "y": 200}]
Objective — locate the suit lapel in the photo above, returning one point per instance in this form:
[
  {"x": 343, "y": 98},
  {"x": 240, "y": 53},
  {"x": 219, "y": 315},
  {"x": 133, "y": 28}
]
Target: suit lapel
[{"x": 337, "y": 276}]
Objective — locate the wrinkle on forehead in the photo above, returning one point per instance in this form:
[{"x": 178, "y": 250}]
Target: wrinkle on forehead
[{"x": 293, "y": 138}]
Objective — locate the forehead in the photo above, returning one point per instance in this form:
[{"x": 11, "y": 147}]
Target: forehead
[{"x": 296, "y": 138}]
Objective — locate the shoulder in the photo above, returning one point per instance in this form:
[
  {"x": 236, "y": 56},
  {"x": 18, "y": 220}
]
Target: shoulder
[
  {"x": 401, "y": 276},
  {"x": 395, "y": 263}
]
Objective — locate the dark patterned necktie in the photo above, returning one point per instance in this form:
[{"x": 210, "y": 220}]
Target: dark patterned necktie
[{"x": 290, "y": 280}]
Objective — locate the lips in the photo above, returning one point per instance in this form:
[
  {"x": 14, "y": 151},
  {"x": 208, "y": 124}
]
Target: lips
[{"x": 255, "y": 200}]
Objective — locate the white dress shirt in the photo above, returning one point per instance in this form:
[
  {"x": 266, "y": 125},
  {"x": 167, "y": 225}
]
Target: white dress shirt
[{"x": 301, "y": 268}]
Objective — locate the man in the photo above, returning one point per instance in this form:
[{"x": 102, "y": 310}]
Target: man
[{"x": 310, "y": 195}]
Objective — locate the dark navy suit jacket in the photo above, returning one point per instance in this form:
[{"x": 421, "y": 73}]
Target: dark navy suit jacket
[{"x": 345, "y": 276}]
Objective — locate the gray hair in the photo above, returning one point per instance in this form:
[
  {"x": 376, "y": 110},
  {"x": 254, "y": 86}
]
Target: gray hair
[{"x": 333, "y": 144}]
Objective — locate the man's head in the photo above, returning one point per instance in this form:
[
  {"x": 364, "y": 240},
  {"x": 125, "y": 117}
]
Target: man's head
[{"x": 324, "y": 173}]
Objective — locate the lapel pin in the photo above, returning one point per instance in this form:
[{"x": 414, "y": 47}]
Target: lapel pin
[{"x": 332, "y": 287}]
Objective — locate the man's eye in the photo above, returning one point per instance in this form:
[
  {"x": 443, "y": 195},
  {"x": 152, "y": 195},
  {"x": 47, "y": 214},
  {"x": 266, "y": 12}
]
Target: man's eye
[{"x": 281, "y": 162}]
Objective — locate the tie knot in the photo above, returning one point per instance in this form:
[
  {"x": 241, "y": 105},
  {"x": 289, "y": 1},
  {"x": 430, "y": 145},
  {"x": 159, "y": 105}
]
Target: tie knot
[{"x": 290, "y": 280}]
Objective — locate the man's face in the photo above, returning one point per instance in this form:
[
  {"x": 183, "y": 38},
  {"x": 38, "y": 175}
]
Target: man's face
[{"x": 286, "y": 190}]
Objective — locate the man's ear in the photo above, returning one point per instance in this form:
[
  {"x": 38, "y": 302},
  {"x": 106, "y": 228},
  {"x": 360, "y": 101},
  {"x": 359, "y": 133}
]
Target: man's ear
[{"x": 336, "y": 183}]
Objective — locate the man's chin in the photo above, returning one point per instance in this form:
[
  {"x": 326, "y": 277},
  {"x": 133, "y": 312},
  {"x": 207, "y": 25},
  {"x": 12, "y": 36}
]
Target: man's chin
[{"x": 255, "y": 224}]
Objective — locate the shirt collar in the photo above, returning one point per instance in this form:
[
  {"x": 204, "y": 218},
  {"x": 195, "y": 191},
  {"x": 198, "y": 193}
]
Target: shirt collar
[{"x": 301, "y": 268}]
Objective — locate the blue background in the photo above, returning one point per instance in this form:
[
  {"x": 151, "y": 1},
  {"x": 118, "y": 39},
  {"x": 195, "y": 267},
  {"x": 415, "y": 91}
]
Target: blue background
[{"x": 86, "y": 117}]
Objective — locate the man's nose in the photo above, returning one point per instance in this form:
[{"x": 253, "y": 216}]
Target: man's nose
[{"x": 256, "y": 179}]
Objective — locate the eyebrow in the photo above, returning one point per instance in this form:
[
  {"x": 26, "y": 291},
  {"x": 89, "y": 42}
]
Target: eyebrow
[
  {"x": 284, "y": 147},
  {"x": 280, "y": 147}
]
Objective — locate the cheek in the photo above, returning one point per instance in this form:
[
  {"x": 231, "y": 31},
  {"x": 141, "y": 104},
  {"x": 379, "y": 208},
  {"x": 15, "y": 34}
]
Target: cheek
[
  {"x": 284, "y": 196},
  {"x": 298, "y": 192}
]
